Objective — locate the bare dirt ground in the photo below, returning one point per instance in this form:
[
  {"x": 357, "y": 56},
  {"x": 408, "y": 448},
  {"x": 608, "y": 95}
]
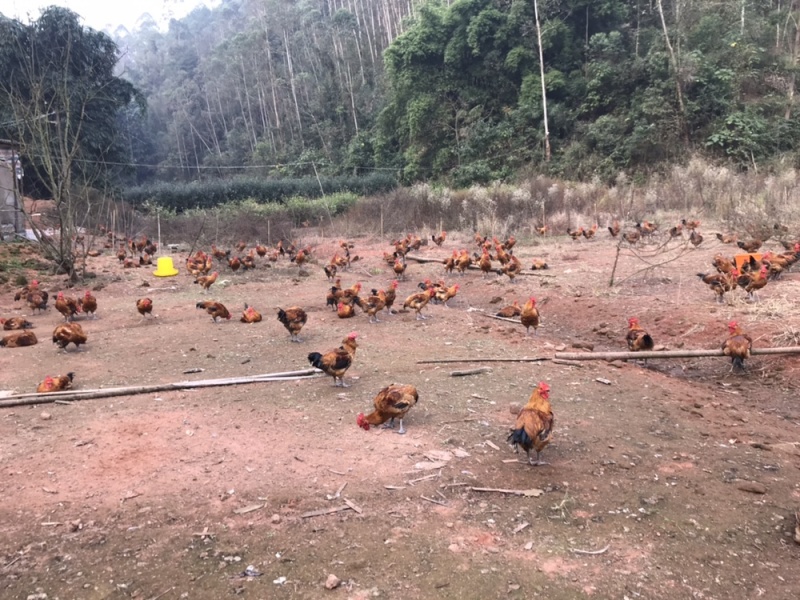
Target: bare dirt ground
[{"x": 137, "y": 496}]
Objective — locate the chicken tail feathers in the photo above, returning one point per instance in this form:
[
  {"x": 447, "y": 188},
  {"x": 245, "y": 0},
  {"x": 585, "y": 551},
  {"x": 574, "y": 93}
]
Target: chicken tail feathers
[
  {"x": 519, "y": 437},
  {"x": 647, "y": 342},
  {"x": 315, "y": 358},
  {"x": 738, "y": 363}
]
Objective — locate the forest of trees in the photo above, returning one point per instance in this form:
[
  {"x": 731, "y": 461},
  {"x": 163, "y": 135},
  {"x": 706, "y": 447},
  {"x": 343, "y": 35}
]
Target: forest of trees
[{"x": 452, "y": 91}]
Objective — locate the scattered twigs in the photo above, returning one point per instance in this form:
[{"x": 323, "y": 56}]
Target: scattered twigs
[
  {"x": 666, "y": 354},
  {"x": 164, "y": 593},
  {"x": 477, "y": 371},
  {"x": 425, "y": 478},
  {"x": 352, "y": 505},
  {"x": 420, "y": 259},
  {"x": 591, "y": 552}
]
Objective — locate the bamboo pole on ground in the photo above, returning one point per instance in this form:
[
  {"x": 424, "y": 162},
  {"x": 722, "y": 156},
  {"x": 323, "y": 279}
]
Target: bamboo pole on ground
[
  {"x": 440, "y": 261},
  {"x": 667, "y": 354},
  {"x": 71, "y": 395}
]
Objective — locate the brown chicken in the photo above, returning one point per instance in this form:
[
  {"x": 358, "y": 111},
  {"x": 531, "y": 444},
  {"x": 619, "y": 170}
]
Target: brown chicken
[
  {"x": 696, "y": 238},
  {"x": 632, "y": 237},
  {"x": 418, "y": 301},
  {"x": 646, "y": 227},
  {"x": 375, "y": 303},
  {"x": 575, "y": 234},
  {"x": 293, "y": 320},
  {"x": 589, "y": 233},
  {"x": 250, "y": 315},
  {"x": 391, "y": 296},
  {"x": 485, "y": 263},
  {"x": 23, "y": 292},
  {"x": 234, "y": 263},
  {"x": 737, "y": 346},
  {"x": 509, "y": 312},
  {"x": 145, "y": 307},
  {"x": 346, "y": 310},
  {"x": 392, "y": 402},
  {"x": 720, "y": 282},
  {"x": 37, "y": 300},
  {"x": 336, "y": 362},
  {"x": 637, "y": 338},
  {"x": 217, "y": 310},
  {"x": 206, "y": 281},
  {"x": 727, "y": 238},
  {"x": 18, "y": 339},
  {"x": 533, "y": 428},
  {"x": 399, "y": 269},
  {"x": 750, "y": 246},
  {"x": 752, "y": 282},
  {"x": 503, "y": 257},
  {"x": 691, "y": 225},
  {"x": 463, "y": 261},
  {"x": 261, "y": 250},
  {"x": 529, "y": 316},
  {"x": 510, "y": 242},
  {"x": 614, "y": 228},
  {"x": 334, "y": 294},
  {"x": 439, "y": 239},
  {"x": 539, "y": 265},
  {"x": 512, "y": 269},
  {"x": 89, "y": 304},
  {"x": 58, "y": 383},
  {"x": 444, "y": 294},
  {"x": 16, "y": 323},
  {"x": 69, "y": 333},
  {"x": 542, "y": 230},
  {"x": 722, "y": 264},
  {"x": 67, "y": 306},
  {"x": 676, "y": 231}
]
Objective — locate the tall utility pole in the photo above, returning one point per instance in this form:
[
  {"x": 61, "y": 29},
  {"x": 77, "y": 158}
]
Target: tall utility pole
[{"x": 544, "y": 88}]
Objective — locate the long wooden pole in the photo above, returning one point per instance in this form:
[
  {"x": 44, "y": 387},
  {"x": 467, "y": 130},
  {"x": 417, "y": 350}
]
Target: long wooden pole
[
  {"x": 420, "y": 259},
  {"x": 70, "y": 395},
  {"x": 667, "y": 354}
]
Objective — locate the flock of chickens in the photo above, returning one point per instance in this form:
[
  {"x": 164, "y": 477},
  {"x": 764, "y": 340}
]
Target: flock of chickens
[{"x": 533, "y": 427}]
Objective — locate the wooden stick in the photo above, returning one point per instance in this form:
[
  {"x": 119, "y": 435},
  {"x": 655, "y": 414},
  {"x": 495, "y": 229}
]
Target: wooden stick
[
  {"x": 569, "y": 363},
  {"x": 532, "y": 492},
  {"x": 439, "y": 502},
  {"x": 592, "y": 552},
  {"x": 477, "y": 371},
  {"x": 325, "y": 511},
  {"x": 666, "y": 354},
  {"x": 48, "y": 398},
  {"x": 501, "y": 318},
  {"x": 353, "y": 505},
  {"x": 443, "y": 361}
]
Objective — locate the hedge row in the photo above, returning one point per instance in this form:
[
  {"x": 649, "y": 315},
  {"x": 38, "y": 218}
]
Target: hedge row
[{"x": 208, "y": 194}]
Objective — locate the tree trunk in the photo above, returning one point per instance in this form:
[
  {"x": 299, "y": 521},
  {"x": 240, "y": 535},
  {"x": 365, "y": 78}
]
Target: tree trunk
[
  {"x": 675, "y": 68},
  {"x": 544, "y": 87}
]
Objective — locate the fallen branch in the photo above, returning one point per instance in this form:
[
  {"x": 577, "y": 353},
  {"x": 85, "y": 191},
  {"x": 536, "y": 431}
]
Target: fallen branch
[
  {"x": 666, "y": 354},
  {"x": 477, "y": 371},
  {"x": 353, "y": 505},
  {"x": 48, "y": 398},
  {"x": 592, "y": 552}
]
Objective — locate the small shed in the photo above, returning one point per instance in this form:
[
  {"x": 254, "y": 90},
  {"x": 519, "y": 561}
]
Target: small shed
[{"x": 12, "y": 221}]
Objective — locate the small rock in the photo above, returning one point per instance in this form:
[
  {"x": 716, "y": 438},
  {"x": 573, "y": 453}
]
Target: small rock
[
  {"x": 276, "y": 518},
  {"x": 496, "y": 300},
  {"x": 617, "y": 363},
  {"x": 145, "y": 284},
  {"x": 45, "y": 416},
  {"x": 752, "y": 486},
  {"x": 332, "y": 582},
  {"x": 514, "y": 408}
]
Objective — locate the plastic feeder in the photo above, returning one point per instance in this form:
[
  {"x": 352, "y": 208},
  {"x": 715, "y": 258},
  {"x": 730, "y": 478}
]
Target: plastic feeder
[{"x": 165, "y": 268}]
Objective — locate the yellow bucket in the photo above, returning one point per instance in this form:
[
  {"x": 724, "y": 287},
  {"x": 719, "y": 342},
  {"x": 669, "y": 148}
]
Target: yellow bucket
[{"x": 165, "y": 268}]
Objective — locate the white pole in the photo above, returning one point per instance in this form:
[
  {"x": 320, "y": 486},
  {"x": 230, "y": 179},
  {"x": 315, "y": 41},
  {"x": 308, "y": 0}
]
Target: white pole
[{"x": 158, "y": 218}]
